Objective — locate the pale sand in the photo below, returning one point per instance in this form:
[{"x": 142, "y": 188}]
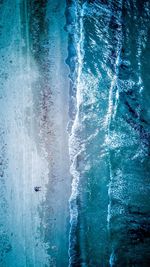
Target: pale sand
[{"x": 34, "y": 142}]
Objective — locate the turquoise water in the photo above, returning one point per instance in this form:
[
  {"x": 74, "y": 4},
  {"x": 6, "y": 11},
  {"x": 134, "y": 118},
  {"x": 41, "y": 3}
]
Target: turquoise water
[
  {"x": 75, "y": 123},
  {"x": 109, "y": 139}
]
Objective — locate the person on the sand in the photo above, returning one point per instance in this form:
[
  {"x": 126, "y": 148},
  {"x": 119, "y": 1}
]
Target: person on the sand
[{"x": 37, "y": 188}]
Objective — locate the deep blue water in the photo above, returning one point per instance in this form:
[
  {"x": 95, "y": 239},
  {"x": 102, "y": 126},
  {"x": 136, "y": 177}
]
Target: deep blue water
[{"x": 75, "y": 123}]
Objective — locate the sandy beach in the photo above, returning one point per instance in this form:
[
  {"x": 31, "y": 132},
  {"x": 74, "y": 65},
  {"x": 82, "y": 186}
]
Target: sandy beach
[{"x": 34, "y": 140}]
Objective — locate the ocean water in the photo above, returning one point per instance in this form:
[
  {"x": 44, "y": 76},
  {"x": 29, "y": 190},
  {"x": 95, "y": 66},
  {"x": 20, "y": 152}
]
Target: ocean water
[
  {"x": 109, "y": 137},
  {"x": 75, "y": 122}
]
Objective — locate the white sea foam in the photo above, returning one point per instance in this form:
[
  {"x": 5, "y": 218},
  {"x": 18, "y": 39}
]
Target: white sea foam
[
  {"x": 75, "y": 147},
  {"x": 113, "y": 101},
  {"x": 112, "y": 259}
]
